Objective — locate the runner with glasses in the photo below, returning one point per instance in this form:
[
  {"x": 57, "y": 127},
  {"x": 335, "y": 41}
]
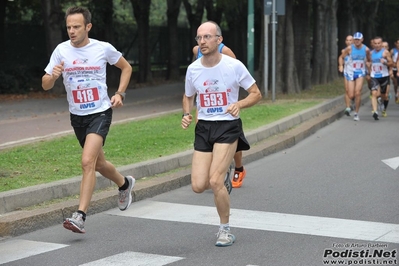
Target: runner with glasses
[{"x": 214, "y": 80}]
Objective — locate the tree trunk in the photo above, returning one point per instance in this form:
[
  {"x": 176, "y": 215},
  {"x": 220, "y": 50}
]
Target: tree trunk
[
  {"x": 236, "y": 14},
  {"x": 292, "y": 83},
  {"x": 53, "y": 18},
  {"x": 3, "y": 5},
  {"x": 332, "y": 40},
  {"x": 141, "y": 11},
  {"x": 281, "y": 73},
  {"x": 173, "y": 61},
  {"x": 102, "y": 19},
  {"x": 214, "y": 11},
  {"x": 318, "y": 41},
  {"x": 345, "y": 22},
  {"x": 325, "y": 44},
  {"x": 262, "y": 59},
  {"x": 194, "y": 18},
  {"x": 369, "y": 26},
  {"x": 302, "y": 53}
]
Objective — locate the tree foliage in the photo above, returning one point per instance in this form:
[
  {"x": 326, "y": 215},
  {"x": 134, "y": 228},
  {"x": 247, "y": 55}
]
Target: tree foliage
[{"x": 307, "y": 35}]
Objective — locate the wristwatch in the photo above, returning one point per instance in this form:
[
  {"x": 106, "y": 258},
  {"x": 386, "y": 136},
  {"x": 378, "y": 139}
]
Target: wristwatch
[
  {"x": 123, "y": 94},
  {"x": 185, "y": 114}
]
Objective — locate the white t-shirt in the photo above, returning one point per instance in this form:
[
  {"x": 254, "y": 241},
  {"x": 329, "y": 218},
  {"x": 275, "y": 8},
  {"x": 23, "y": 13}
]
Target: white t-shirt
[
  {"x": 217, "y": 87},
  {"x": 84, "y": 74}
]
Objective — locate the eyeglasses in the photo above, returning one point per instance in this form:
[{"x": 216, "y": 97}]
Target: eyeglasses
[{"x": 206, "y": 37}]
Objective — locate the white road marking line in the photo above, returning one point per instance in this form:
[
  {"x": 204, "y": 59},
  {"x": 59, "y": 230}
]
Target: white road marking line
[
  {"x": 19, "y": 249},
  {"x": 268, "y": 221},
  {"x": 134, "y": 259},
  {"x": 392, "y": 162}
]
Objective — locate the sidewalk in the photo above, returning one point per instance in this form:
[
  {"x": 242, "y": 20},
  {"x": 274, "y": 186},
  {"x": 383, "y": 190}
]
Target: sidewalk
[{"x": 142, "y": 102}]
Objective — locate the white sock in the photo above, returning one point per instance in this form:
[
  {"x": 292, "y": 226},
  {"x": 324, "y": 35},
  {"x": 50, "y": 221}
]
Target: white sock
[{"x": 224, "y": 226}]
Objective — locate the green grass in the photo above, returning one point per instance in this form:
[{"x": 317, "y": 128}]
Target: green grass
[{"x": 137, "y": 141}]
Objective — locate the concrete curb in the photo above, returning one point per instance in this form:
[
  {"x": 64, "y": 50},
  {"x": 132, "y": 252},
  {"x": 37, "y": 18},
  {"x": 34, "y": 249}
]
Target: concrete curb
[{"x": 287, "y": 132}]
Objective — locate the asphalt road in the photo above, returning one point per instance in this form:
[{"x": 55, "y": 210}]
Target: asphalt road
[{"x": 328, "y": 198}]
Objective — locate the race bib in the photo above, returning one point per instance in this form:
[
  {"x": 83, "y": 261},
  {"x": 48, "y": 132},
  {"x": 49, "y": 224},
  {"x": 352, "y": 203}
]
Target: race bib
[
  {"x": 86, "y": 94},
  {"x": 358, "y": 65},
  {"x": 213, "y": 99},
  {"x": 213, "y": 103},
  {"x": 377, "y": 67}
]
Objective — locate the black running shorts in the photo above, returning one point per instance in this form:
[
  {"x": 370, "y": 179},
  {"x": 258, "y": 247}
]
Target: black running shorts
[
  {"x": 98, "y": 123},
  {"x": 381, "y": 83},
  {"x": 207, "y": 133},
  {"x": 373, "y": 84}
]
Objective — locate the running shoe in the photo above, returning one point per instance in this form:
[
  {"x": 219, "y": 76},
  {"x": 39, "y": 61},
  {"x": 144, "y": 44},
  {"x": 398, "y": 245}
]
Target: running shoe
[
  {"x": 384, "y": 113},
  {"x": 238, "y": 178},
  {"x": 125, "y": 196},
  {"x": 348, "y": 111},
  {"x": 356, "y": 117},
  {"x": 75, "y": 224},
  {"x": 225, "y": 238},
  {"x": 227, "y": 179},
  {"x": 375, "y": 115}
]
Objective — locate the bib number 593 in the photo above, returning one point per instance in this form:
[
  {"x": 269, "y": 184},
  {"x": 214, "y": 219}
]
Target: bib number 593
[{"x": 213, "y": 99}]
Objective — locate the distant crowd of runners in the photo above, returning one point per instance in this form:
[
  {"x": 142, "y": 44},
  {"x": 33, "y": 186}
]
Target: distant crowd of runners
[{"x": 377, "y": 64}]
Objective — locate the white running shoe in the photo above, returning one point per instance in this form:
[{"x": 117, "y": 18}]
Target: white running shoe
[
  {"x": 348, "y": 111},
  {"x": 75, "y": 224},
  {"x": 225, "y": 238},
  {"x": 125, "y": 196}
]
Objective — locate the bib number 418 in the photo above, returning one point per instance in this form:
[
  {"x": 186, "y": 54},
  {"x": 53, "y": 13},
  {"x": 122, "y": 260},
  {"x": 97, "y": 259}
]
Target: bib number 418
[{"x": 85, "y": 95}]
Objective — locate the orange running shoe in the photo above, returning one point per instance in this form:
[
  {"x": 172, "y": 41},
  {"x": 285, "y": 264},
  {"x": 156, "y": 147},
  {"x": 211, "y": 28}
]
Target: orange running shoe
[{"x": 238, "y": 178}]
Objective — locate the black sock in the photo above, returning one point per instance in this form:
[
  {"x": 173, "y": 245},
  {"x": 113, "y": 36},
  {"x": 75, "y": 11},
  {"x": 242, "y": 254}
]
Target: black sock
[
  {"x": 386, "y": 104},
  {"x": 83, "y": 214},
  {"x": 240, "y": 169},
  {"x": 125, "y": 185}
]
